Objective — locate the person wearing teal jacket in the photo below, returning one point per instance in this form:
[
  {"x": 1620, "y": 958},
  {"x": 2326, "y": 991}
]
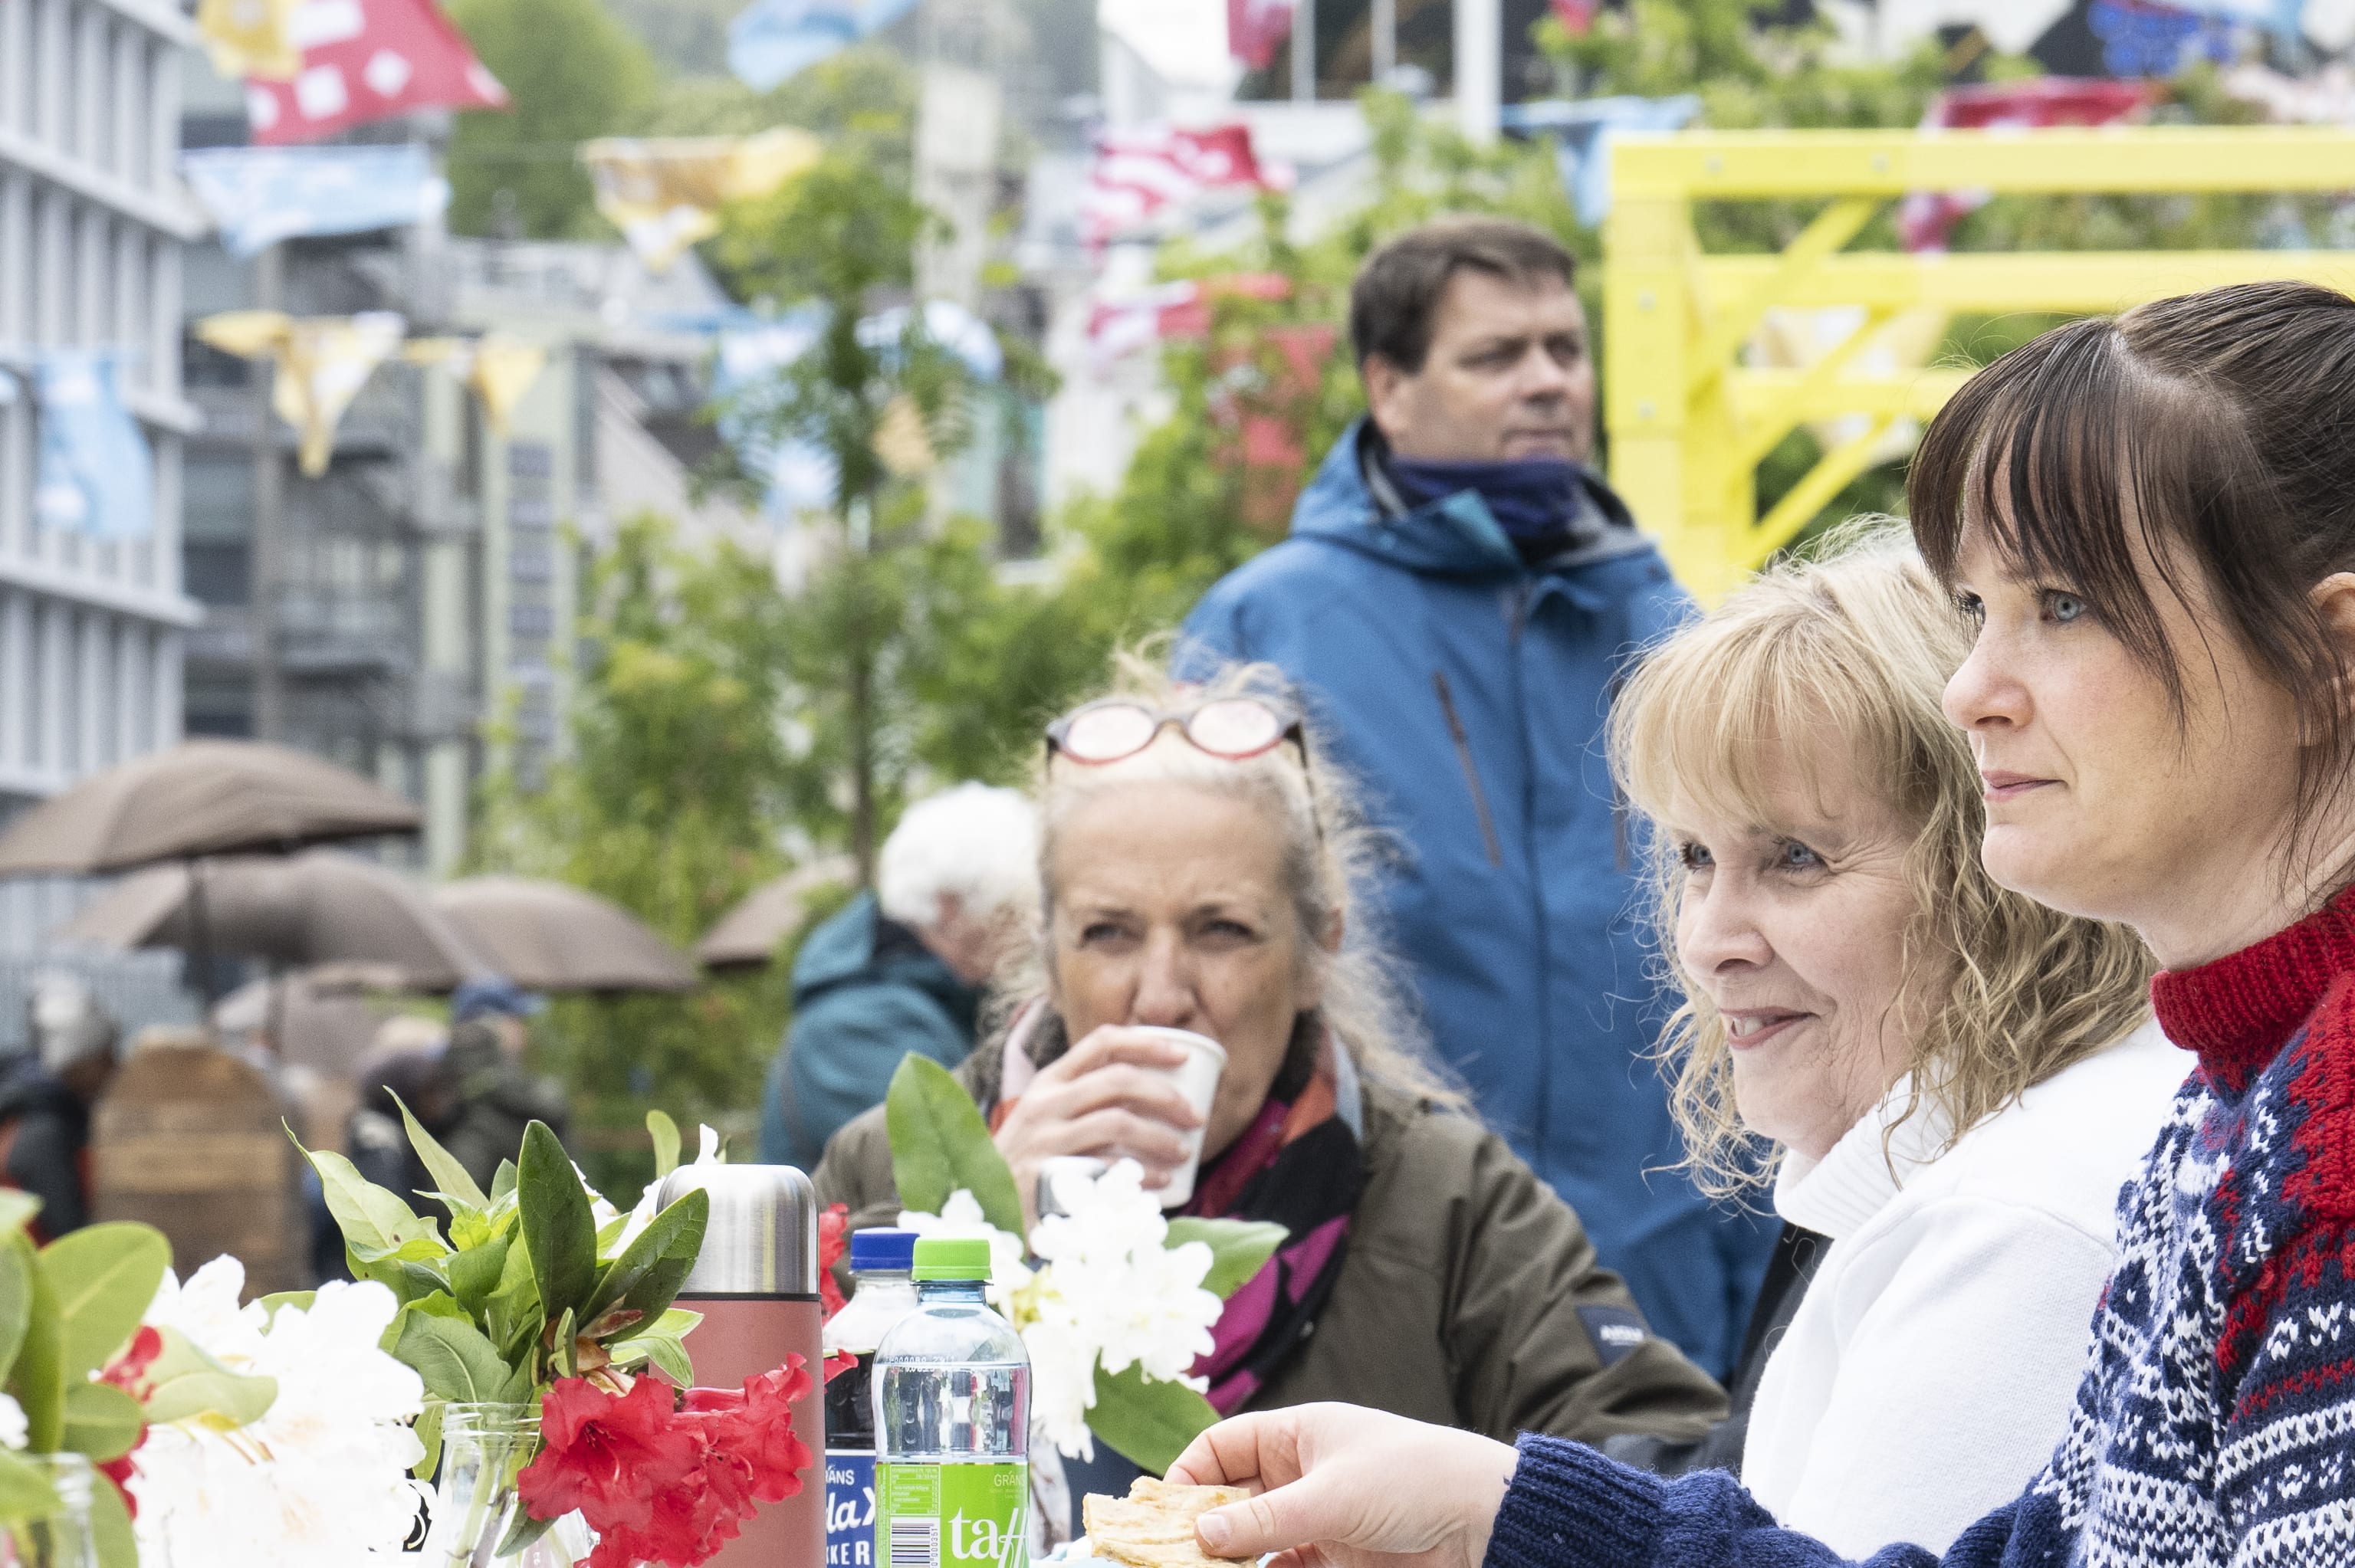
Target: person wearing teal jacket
[
  {"x": 1458, "y": 595},
  {"x": 900, "y": 969}
]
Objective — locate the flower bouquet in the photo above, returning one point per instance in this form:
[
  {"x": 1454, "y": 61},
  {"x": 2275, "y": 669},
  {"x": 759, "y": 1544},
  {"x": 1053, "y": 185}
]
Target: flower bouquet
[
  {"x": 533, "y": 1324},
  {"x": 1113, "y": 1300},
  {"x": 274, "y": 1432}
]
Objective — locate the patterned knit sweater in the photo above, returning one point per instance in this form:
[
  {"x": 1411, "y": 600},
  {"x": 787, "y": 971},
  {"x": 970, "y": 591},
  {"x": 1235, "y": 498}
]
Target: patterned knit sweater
[{"x": 2216, "y": 1424}]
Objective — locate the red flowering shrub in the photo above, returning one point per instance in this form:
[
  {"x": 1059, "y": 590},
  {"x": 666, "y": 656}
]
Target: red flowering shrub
[
  {"x": 833, "y": 1241},
  {"x": 662, "y": 1480}
]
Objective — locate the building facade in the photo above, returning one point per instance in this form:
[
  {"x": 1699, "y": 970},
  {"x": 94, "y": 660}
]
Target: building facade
[{"x": 93, "y": 224}]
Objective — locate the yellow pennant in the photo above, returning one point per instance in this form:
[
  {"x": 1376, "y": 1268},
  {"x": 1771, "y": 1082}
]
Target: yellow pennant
[
  {"x": 665, "y": 193},
  {"x": 251, "y": 38}
]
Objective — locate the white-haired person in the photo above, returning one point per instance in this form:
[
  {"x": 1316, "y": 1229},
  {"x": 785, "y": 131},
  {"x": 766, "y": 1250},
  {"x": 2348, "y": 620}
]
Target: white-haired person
[{"x": 903, "y": 967}]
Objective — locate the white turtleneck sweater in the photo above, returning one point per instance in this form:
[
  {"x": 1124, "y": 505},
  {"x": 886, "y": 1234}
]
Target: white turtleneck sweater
[{"x": 1928, "y": 1372}]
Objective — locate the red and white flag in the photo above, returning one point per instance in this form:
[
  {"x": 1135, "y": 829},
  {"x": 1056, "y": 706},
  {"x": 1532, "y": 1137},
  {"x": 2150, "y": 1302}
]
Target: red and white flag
[
  {"x": 1181, "y": 309},
  {"x": 1139, "y": 174},
  {"x": 364, "y": 59},
  {"x": 1926, "y": 218}
]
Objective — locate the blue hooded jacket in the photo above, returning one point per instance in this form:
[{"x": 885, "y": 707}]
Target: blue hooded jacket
[
  {"x": 866, "y": 993},
  {"x": 1465, "y": 693}
]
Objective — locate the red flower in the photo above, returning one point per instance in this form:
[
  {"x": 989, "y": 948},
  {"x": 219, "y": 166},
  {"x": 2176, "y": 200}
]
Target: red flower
[
  {"x": 663, "y": 1482},
  {"x": 833, "y": 1241},
  {"x": 118, "y": 1474},
  {"x": 605, "y": 1455},
  {"x": 128, "y": 1369}
]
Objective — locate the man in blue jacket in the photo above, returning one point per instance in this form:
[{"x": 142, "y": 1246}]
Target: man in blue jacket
[{"x": 1457, "y": 598}]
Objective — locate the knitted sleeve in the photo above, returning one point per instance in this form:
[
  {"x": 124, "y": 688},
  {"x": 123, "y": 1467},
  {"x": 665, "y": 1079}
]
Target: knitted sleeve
[{"x": 1569, "y": 1507}]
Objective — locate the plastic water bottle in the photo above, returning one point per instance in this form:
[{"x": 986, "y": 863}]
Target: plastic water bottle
[
  {"x": 882, "y": 1294},
  {"x": 951, "y": 1422}
]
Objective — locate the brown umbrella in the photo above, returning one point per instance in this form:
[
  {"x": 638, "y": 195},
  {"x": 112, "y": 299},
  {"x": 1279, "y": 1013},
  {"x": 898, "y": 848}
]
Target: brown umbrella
[
  {"x": 200, "y": 798},
  {"x": 748, "y": 935},
  {"x": 317, "y": 908},
  {"x": 553, "y": 935}
]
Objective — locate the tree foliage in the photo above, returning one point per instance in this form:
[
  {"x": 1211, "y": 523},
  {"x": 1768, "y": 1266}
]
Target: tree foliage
[{"x": 574, "y": 73}]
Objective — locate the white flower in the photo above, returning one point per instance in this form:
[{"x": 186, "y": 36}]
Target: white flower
[
  {"x": 322, "y": 1479},
  {"x": 13, "y": 1429},
  {"x": 1010, "y": 1276},
  {"x": 1062, "y": 1385}
]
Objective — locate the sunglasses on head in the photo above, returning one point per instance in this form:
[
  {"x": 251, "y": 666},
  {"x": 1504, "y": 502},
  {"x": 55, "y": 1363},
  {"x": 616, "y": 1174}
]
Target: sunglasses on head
[{"x": 1233, "y": 728}]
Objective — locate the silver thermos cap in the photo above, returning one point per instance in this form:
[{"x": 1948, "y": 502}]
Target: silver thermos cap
[{"x": 763, "y": 1238}]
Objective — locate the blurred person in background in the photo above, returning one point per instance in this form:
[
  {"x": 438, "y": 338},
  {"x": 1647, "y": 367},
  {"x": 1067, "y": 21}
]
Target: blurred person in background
[
  {"x": 497, "y": 1094},
  {"x": 1946, "y": 1079},
  {"x": 901, "y": 968},
  {"x": 45, "y": 1094},
  {"x": 1198, "y": 867},
  {"x": 1458, "y": 592}
]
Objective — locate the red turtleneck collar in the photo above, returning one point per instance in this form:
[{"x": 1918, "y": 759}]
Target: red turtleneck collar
[{"x": 2239, "y": 1011}]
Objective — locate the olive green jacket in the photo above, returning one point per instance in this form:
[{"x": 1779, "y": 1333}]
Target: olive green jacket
[{"x": 1468, "y": 1297}]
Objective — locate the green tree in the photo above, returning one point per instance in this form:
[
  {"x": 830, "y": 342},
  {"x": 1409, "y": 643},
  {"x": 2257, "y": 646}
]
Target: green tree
[
  {"x": 574, "y": 74},
  {"x": 667, "y": 799}
]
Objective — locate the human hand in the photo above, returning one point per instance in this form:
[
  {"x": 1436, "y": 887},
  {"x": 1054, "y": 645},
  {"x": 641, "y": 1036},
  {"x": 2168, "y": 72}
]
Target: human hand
[
  {"x": 1341, "y": 1487},
  {"x": 1111, "y": 1097}
]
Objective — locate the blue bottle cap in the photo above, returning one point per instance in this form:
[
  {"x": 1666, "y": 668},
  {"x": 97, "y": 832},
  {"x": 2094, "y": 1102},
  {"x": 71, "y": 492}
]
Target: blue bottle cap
[{"x": 879, "y": 1250}]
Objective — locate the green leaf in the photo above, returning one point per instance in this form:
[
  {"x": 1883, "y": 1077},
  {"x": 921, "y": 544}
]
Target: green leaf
[
  {"x": 451, "y": 1178},
  {"x": 300, "y": 1300},
  {"x": 1239, "y": 1249},
  {"x": 522, "y": 1532},
  {"x": 451, "y": 1356},
  {"x": 564, "y": 1351},
  {"x": 38, "y": 1378},
  {"x": 16, "y": 1302},
  {"x": 502, "y": 1181},
  {"x": 243, "y": 1399},
  {"x": 101, "y": 1421},
  {"x": 665, "y": 1132},
  {"x": 663, "y": 1345},
  {"x": 940, "y": 1143},
  {"x": 24, "y": 1492},
  {"x": 675, "y": 1232},
  {"x": 475, "y": 1272},
  {"x": 1149, "y": 1424},
  {"x": 513, "y": 1315},
  {"x": 17, "y": 1208},
  {"x": 110, "y": 1525},
  {"x": 105, "y": 1278},
  {"x": 428, "y": 1427},
  {"x": 376, "y": 1224},
  {"x": 558, "y": 1230},
  {"x": 469, "y": 1228}
]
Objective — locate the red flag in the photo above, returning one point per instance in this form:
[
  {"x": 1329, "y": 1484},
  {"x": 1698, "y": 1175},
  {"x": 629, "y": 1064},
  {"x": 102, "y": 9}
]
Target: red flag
[
  {"x": 364, "y": 59},
  {"x": 1924, "y": 218},
  {"x": 1138, "y": 173}
]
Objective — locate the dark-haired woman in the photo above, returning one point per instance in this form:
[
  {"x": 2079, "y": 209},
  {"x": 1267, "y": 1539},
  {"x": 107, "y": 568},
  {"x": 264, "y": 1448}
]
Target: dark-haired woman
[{"x": 2151, "y": 520}]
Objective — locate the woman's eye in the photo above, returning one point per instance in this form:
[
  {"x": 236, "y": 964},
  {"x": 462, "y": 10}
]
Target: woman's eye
[
  {"x": 1694, "y": 857},
  {"x": 1228, "y": 930},
  {"x": 1796, "y": 856},
  {"x": 1101, "y": 931},
  {"x": 2064, "y": 608},
  {"x": 1970, "y": 606}
]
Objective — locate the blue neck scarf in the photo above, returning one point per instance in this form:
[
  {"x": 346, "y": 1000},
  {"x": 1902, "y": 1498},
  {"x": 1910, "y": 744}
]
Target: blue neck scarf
[{"x": 1537, "y": 502}]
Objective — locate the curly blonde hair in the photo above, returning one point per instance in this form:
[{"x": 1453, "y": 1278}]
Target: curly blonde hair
[
  {"x": 1860, "y": 642},
  {"x": 1329, "y": 856}
]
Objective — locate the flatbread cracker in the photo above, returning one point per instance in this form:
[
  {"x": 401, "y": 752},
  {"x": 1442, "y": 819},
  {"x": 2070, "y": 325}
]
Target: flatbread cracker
[{"x": 1153, "y": 1527}]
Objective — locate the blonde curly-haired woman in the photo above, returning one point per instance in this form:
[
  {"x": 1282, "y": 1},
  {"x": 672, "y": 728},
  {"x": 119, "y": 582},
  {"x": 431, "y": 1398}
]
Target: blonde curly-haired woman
[{"x": 1947, "y": 1079}]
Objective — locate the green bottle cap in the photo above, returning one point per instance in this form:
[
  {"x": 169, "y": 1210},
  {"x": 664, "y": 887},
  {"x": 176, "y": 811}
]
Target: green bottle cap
[{"x": 946, "y": 1257}]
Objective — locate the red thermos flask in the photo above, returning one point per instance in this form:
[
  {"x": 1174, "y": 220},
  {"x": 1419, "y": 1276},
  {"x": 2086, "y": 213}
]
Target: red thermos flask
[{"x": 755, "y": 1282}]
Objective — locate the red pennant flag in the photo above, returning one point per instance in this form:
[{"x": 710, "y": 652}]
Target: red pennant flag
[{"x": 364, "y": 59}]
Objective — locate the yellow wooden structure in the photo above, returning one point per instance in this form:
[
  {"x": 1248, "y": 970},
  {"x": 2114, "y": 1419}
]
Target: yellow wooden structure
[{"x": 1689, "y": 420}]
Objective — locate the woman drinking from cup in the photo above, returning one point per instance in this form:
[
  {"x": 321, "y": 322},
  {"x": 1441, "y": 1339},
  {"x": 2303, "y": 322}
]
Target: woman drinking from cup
[
  {"x": 1196, "y": 863},
  {"x": 2150, "y": 522}
]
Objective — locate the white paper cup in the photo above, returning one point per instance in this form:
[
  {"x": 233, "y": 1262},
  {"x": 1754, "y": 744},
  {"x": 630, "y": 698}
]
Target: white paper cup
[{"x": 1198, "y": 1080}]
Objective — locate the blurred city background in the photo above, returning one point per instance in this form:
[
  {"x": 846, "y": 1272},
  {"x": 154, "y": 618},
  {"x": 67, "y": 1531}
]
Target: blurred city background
[{"x": 657, "y": 439}]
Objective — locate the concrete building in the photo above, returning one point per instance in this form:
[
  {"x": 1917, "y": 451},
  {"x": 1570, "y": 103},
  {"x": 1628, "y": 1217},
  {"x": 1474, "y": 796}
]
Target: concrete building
[{"x": 93, "y": 224}]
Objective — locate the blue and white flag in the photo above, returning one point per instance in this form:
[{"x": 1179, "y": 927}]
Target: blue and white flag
[
  {"x": 772, "y": 40},
  {"x": 1582, "y": 132},
  {"x": 96, "y": 474},
  {"x": 261, "y": 195}
]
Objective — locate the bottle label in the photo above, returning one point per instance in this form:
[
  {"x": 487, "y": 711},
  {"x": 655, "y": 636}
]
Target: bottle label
[
  {"x": 850, "y": 1508},
  {"x": 952, "y": 1516}
]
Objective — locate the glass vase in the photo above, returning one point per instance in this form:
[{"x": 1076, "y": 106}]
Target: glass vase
[
  {"x": 62, "y": 1539},
  {"x": 476, "y": 1509}
]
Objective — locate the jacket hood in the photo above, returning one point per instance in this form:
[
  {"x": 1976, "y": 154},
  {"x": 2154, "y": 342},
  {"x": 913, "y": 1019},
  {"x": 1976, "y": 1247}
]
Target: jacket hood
[
  {"x": 1454, "y": 537},
  {"x": 859, "y": 945}
]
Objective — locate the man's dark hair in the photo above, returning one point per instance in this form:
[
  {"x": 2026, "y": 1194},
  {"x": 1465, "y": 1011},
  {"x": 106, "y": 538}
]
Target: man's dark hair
[{"x": 1398, "y": 289}]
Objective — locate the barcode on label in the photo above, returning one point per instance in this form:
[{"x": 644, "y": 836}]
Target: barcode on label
[{"x": 914, "y": 1543}]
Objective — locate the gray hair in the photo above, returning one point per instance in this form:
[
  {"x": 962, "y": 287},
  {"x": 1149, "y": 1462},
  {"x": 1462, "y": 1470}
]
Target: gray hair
[
  {"x": 1330, "y": 855},
  {"x": 973, "y": 843}
]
